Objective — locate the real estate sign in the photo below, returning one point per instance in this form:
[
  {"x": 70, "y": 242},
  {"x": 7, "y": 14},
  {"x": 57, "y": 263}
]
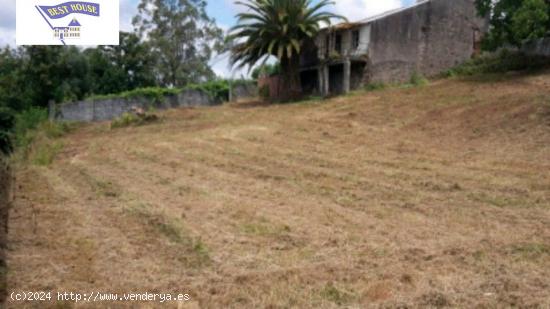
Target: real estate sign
[{"x": 54, "y": 22}]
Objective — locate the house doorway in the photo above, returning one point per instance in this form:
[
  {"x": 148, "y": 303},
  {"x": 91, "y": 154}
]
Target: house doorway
[
  {"x": 336, "y": 79},
  {"x": 310, "y": 81}
]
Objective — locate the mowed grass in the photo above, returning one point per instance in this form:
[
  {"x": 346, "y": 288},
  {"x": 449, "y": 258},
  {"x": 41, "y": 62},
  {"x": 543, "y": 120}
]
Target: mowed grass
[{"x": 434, "y": 196}]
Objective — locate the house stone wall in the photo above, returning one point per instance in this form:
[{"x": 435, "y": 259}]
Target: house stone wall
[{"x": 428, "y": 38}]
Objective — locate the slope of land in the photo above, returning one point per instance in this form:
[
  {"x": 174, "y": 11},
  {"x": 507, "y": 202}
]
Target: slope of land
[{"x": 433, "y": 196}]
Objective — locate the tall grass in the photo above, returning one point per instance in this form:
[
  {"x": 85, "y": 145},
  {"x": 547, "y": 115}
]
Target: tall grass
[
  {"x": 26, "y": 123},
  {"x": 43, "y": 154},
  {"x": 36, "y": 138}
]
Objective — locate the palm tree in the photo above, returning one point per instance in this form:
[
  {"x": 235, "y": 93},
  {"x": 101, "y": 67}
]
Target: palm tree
[{"x": 277, "y": 28}]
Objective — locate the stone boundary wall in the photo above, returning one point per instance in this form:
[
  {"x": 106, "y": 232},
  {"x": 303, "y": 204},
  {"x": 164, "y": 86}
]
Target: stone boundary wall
[
  {"x": 539, "y": 47},
  {"x": 108, "y": 109},
  {"x": 5, "y": 202},
  {"x": 244, "y": 91}
]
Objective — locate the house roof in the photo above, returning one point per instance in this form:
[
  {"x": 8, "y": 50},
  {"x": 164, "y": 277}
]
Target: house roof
[
  {"x": 74, "y": 23},
  {"x": 388, "y": 13},
  {"x": 349, "y": 25}
]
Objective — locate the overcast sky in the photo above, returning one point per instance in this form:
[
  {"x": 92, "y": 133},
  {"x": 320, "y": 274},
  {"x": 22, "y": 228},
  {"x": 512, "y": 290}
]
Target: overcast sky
[{"x": 222, "y": 10}]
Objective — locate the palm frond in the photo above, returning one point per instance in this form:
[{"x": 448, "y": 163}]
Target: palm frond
[{"x": 275, "y": 28}]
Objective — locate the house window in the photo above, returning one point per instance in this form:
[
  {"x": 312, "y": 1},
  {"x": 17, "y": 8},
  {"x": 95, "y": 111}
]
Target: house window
[
  {"x": 355, "y": 39},
  {"x": 338, "y": 43}
]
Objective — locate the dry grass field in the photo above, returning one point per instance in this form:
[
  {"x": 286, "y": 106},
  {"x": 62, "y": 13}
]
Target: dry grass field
[{"x": 436, "y": 196}]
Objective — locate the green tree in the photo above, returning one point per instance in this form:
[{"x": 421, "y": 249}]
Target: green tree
[
  {"x": 7, "y": 121},
  {"x": 278, "y": 28},
  {"x": 532, "y": 20},
  {"x": 182, "y": 39},
  {"x": 70, "y": 73},
  {"x": 514, "y": 21},
  {"x": 11, "y": 79},
  {"x": 57, "y": 73},
  {"x": 114, "y": 69},
  {"x": 41, "y": 73}
]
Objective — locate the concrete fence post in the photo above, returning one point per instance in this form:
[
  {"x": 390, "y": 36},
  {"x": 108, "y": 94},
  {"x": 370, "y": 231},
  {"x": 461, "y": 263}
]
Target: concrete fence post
[
  {"x": 93, "y": 111},
  {"x": 51, "y": 110}
]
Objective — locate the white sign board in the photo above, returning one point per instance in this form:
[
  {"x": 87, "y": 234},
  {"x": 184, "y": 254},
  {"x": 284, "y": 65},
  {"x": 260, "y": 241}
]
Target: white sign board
[{"x": 59, "y": 22}]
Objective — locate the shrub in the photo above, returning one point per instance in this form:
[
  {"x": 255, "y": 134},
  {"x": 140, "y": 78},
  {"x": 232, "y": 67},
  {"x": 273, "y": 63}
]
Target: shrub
[
  {"x": 55, "y": 129},
  {"x": 26, "y": 124},
  {"x": 129, "y": 119},
  {"x": 44, "y": 153},
  {"x": 7, "y": 121},
  {"x": 35, "y": 121},
  {"x": 33, "y": 136},
  {"x": 217, "y": 89},
  {"x": 124, "y": 120},
  {"x": 156, "y": 94},
  {"x": 500, "y": 62},
  {"x": 418, "y": 80},
  {"x": 29, "y": 120},
  {"x": 38, "y": 145}
]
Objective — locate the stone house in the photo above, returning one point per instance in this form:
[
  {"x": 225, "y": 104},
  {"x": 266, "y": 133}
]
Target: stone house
[{"x": 427, "y": 38}]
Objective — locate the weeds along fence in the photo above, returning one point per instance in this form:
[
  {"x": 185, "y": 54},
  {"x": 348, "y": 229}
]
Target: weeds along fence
[
  {"x": 108, "y": 108},
  {"x": 112, "y": 106}
]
